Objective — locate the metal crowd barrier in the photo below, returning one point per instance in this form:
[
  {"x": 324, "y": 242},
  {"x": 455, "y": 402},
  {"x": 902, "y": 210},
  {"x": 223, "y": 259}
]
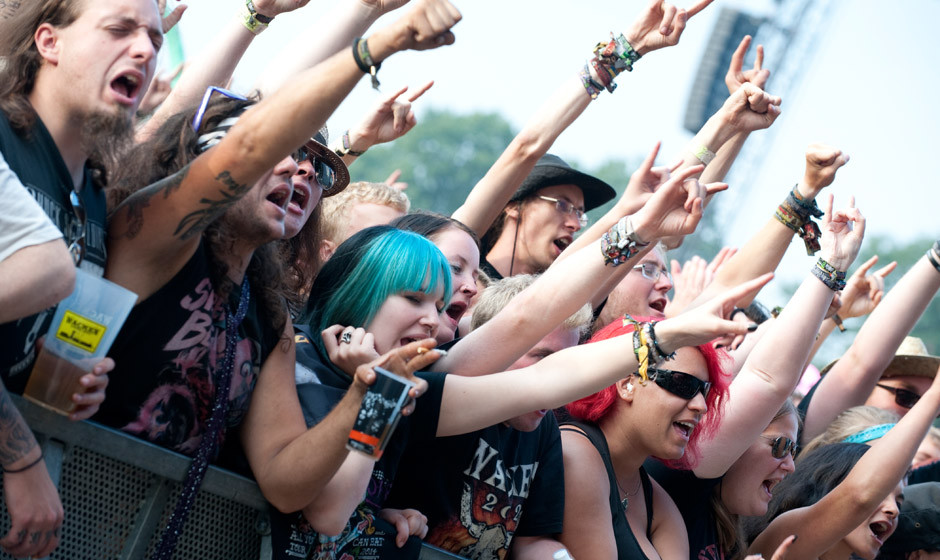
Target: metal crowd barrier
[{"x": 118, "y": 491}]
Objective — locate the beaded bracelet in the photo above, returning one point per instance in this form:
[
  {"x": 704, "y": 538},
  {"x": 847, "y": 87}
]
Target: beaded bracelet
[
  {"x": 360, "y": 49},
  {"x": 661, "y": 355},
  {"x": 26, "y": 468},
  {"x": 832, "y": 278},
  {"x": 620, "y": 243}
]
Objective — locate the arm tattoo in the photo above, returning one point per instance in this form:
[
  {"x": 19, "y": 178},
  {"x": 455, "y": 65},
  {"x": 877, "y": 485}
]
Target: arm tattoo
[
  {"x": 16, "y": 440},
  {"x": 137, "y": 203},
  {"x": 195, "y": 222}
]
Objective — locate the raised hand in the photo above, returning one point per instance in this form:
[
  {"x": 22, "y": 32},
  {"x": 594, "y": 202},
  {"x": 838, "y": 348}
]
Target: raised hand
[
  {"x": 706, "y": 322},
  {"x": 736, "y": 76},
  {"x": 272, "y": 8},
  {"x": 842, "y": 233},
  {"x": 389, "y": 120},
  {"x": 863, "y": 291},
  {"x": 170, "y": 19},
  {"x": 688, "y": 281},
  {"x": 822, "y": 162},
  {"x": 425, "y": 26},
  {"x": 158, "y": 91},
  {"x": 750, "y": 108},
  {"x": 661, "y": 25},
  {"x": 643, "y": 183},
  {"x": 676, "y": 207}
]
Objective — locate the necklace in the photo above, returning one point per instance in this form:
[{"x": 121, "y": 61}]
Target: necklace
[{"x": 625, "y": 501}]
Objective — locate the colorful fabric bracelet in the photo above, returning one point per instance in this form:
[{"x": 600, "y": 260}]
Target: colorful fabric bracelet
[
  {"x": 363, "y": 58},
  {"x": 641, "y": 348},
  {"x": 832, "y": 278},
  {"x": 869, "y": 434},
  {"x": 704, "y": 155},
  {"x": 251, "y": 19},
  {"x": 620, "y": 243},
  {"x": 796, "y": 213},
  {"x": 593, "y": 88},
  {"x": 346, "y": 150}
]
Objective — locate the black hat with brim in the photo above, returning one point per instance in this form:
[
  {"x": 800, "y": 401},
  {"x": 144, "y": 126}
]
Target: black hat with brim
[
  {"x": 551, "y": 170},
  {"x": 319, "y": 145}
]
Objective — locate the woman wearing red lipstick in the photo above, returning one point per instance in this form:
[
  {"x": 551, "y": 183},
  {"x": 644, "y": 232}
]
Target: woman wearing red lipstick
[{"x": 838, "y": 514}]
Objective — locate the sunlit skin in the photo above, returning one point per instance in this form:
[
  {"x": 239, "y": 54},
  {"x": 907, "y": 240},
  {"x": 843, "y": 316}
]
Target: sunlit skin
[
  {"x": 406, "y": 317},
  {"x": 543, "y": 234},
  {"x": 558, "y": 339},
  {"x": 884, "y": 399},
  {"x": 464, "y": 258},
  {"x": 638, "y": 296},
  {"x": 746, "y": 487}
]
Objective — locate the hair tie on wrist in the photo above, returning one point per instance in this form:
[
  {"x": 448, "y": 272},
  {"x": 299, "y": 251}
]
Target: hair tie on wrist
[{"x": 27, "y": 467}]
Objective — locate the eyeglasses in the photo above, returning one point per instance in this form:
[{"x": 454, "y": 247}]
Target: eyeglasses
[
  {"x": 679, "y": 383},
  {"x": 201, "y": 112},
  {"x": 566, "y": 207},
  {"x": 77, "y": 246},
  {"x": 902, "y": 397},
  {"x": 780, "y": 446},
  {"x": 325, "y": 175},
  {"x": 652, "y": 271}
]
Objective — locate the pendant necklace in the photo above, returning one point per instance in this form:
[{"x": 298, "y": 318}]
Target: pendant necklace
[{"x": 625, "y": 501}]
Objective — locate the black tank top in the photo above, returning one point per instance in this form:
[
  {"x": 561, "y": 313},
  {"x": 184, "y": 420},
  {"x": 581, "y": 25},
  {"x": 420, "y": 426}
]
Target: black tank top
[{"x": 627, "y": 547}]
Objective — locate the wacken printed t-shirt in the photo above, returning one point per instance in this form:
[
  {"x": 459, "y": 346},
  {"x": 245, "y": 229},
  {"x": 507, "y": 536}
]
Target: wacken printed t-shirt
[
  {"x": 167, "y": 358},
  {"x": 36, "y": 161}
]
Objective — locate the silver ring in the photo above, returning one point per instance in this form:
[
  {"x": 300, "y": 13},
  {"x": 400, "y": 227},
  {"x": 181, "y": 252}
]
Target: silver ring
[{"x": 346, "y": 338}]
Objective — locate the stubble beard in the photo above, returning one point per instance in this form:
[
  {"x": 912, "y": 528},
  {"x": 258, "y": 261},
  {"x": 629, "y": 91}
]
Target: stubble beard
[{"x": 106, "y": 137}]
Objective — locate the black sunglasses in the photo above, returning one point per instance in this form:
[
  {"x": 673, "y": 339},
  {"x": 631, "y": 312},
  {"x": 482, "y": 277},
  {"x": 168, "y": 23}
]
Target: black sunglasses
[
  {"x": 325, "y": 175},
  {"x": 679, "y": 383},
  {"x": 902, "y": 397},
  {"x": 780, "y": 446},
  {"x": 77, "y": 246}
]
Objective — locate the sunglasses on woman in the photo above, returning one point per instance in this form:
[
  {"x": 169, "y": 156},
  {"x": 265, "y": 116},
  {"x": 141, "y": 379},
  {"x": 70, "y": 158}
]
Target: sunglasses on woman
[
  {"x": 780, "y": 446},
  {"x": 679, "y": 383},
  {"x": 902, "y": 397},
  {"x": 325, "y": 175}
]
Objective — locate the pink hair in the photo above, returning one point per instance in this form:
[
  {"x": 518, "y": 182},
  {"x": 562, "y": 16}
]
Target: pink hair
[{"x": 596, "y": 407}]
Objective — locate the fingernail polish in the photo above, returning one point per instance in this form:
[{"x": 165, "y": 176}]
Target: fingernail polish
[{"x": 752, "y": 327}]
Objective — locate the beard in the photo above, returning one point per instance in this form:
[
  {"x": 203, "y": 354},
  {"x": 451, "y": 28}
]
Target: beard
[{"x": 106, "y": 137}]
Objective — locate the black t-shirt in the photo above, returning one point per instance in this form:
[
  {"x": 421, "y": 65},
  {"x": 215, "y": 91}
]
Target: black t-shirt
[
  {"x": 490, "y": 270},
  {"x": 36, "y": 161},
  {"x": 365, "y": 537},
  {"x": 167, "y": 357},
  {"x": 692, "y": 496},
  {"x": 480, "y": 489}
]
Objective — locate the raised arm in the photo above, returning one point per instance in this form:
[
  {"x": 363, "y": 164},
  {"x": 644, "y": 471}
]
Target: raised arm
[
  {"x": 153, "y": 235},
  {"x": 764, "y": 251},
  {"x": 774, "y": 366},
  {"x": 823, "y": 524},
  {"x": 852, "y": 379},
  {"x": 569, "y": 284},
  {"x": 215, "y": 65},
  {"x": 660, "y": 25},
  {"x": 578, "y": 371}
]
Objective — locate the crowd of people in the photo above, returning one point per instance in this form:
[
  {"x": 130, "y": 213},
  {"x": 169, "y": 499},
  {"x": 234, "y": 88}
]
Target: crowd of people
[{"x": 573, "y": 395}]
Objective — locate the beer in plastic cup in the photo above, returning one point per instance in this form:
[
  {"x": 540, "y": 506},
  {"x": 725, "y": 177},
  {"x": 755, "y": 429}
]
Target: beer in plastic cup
[
  {"x": 379, "y": 413},
  {"x": 83, "y": 328}
]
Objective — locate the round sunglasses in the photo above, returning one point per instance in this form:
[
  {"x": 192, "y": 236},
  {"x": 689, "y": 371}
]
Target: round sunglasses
[{"x": 781, "y": 445}]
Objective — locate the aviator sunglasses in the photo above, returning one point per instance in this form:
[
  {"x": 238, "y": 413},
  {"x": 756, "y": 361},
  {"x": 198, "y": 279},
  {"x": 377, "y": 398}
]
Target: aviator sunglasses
[
  {"x": 679, "y": 383},
  {"x": 325, "y": 175},
  {"x": 780, "y": 446}
]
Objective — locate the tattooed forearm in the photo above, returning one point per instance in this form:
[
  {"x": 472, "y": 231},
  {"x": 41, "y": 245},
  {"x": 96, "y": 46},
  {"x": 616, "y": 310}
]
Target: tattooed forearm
[
  {"x": 15, "y": 438},
  {"x": 195, "y": 222},
  {"x": 136, "y": 204}
]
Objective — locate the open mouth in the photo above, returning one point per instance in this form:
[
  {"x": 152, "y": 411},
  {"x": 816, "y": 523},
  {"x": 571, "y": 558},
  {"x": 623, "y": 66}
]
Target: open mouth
[
  {"x": 658, "y": 305},
  {"x": 881, "y": 530},
  {"x": 685, "y": 428},
  {"x": 298, "y": 199},
  {"x": 280, "y": 197},
  {"x": 127, "y": 86},
  {"x": 768, "y": 486},
  {"x": 456, "y": 310},
  {"x": 562, "y": 243}
]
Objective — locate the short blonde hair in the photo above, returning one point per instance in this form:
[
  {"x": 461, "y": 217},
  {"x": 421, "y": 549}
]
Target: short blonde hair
[
  {"x": 498, "y": 294},
  {"x": 335, "y": 216},
  {"x": 848, "y": 423}
]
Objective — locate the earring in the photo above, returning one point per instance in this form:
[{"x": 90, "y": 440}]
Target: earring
[{"x": 629, "y": 387}]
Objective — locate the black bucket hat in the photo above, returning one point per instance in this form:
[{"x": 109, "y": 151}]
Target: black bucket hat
[{"x": 551, "y": 170}]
